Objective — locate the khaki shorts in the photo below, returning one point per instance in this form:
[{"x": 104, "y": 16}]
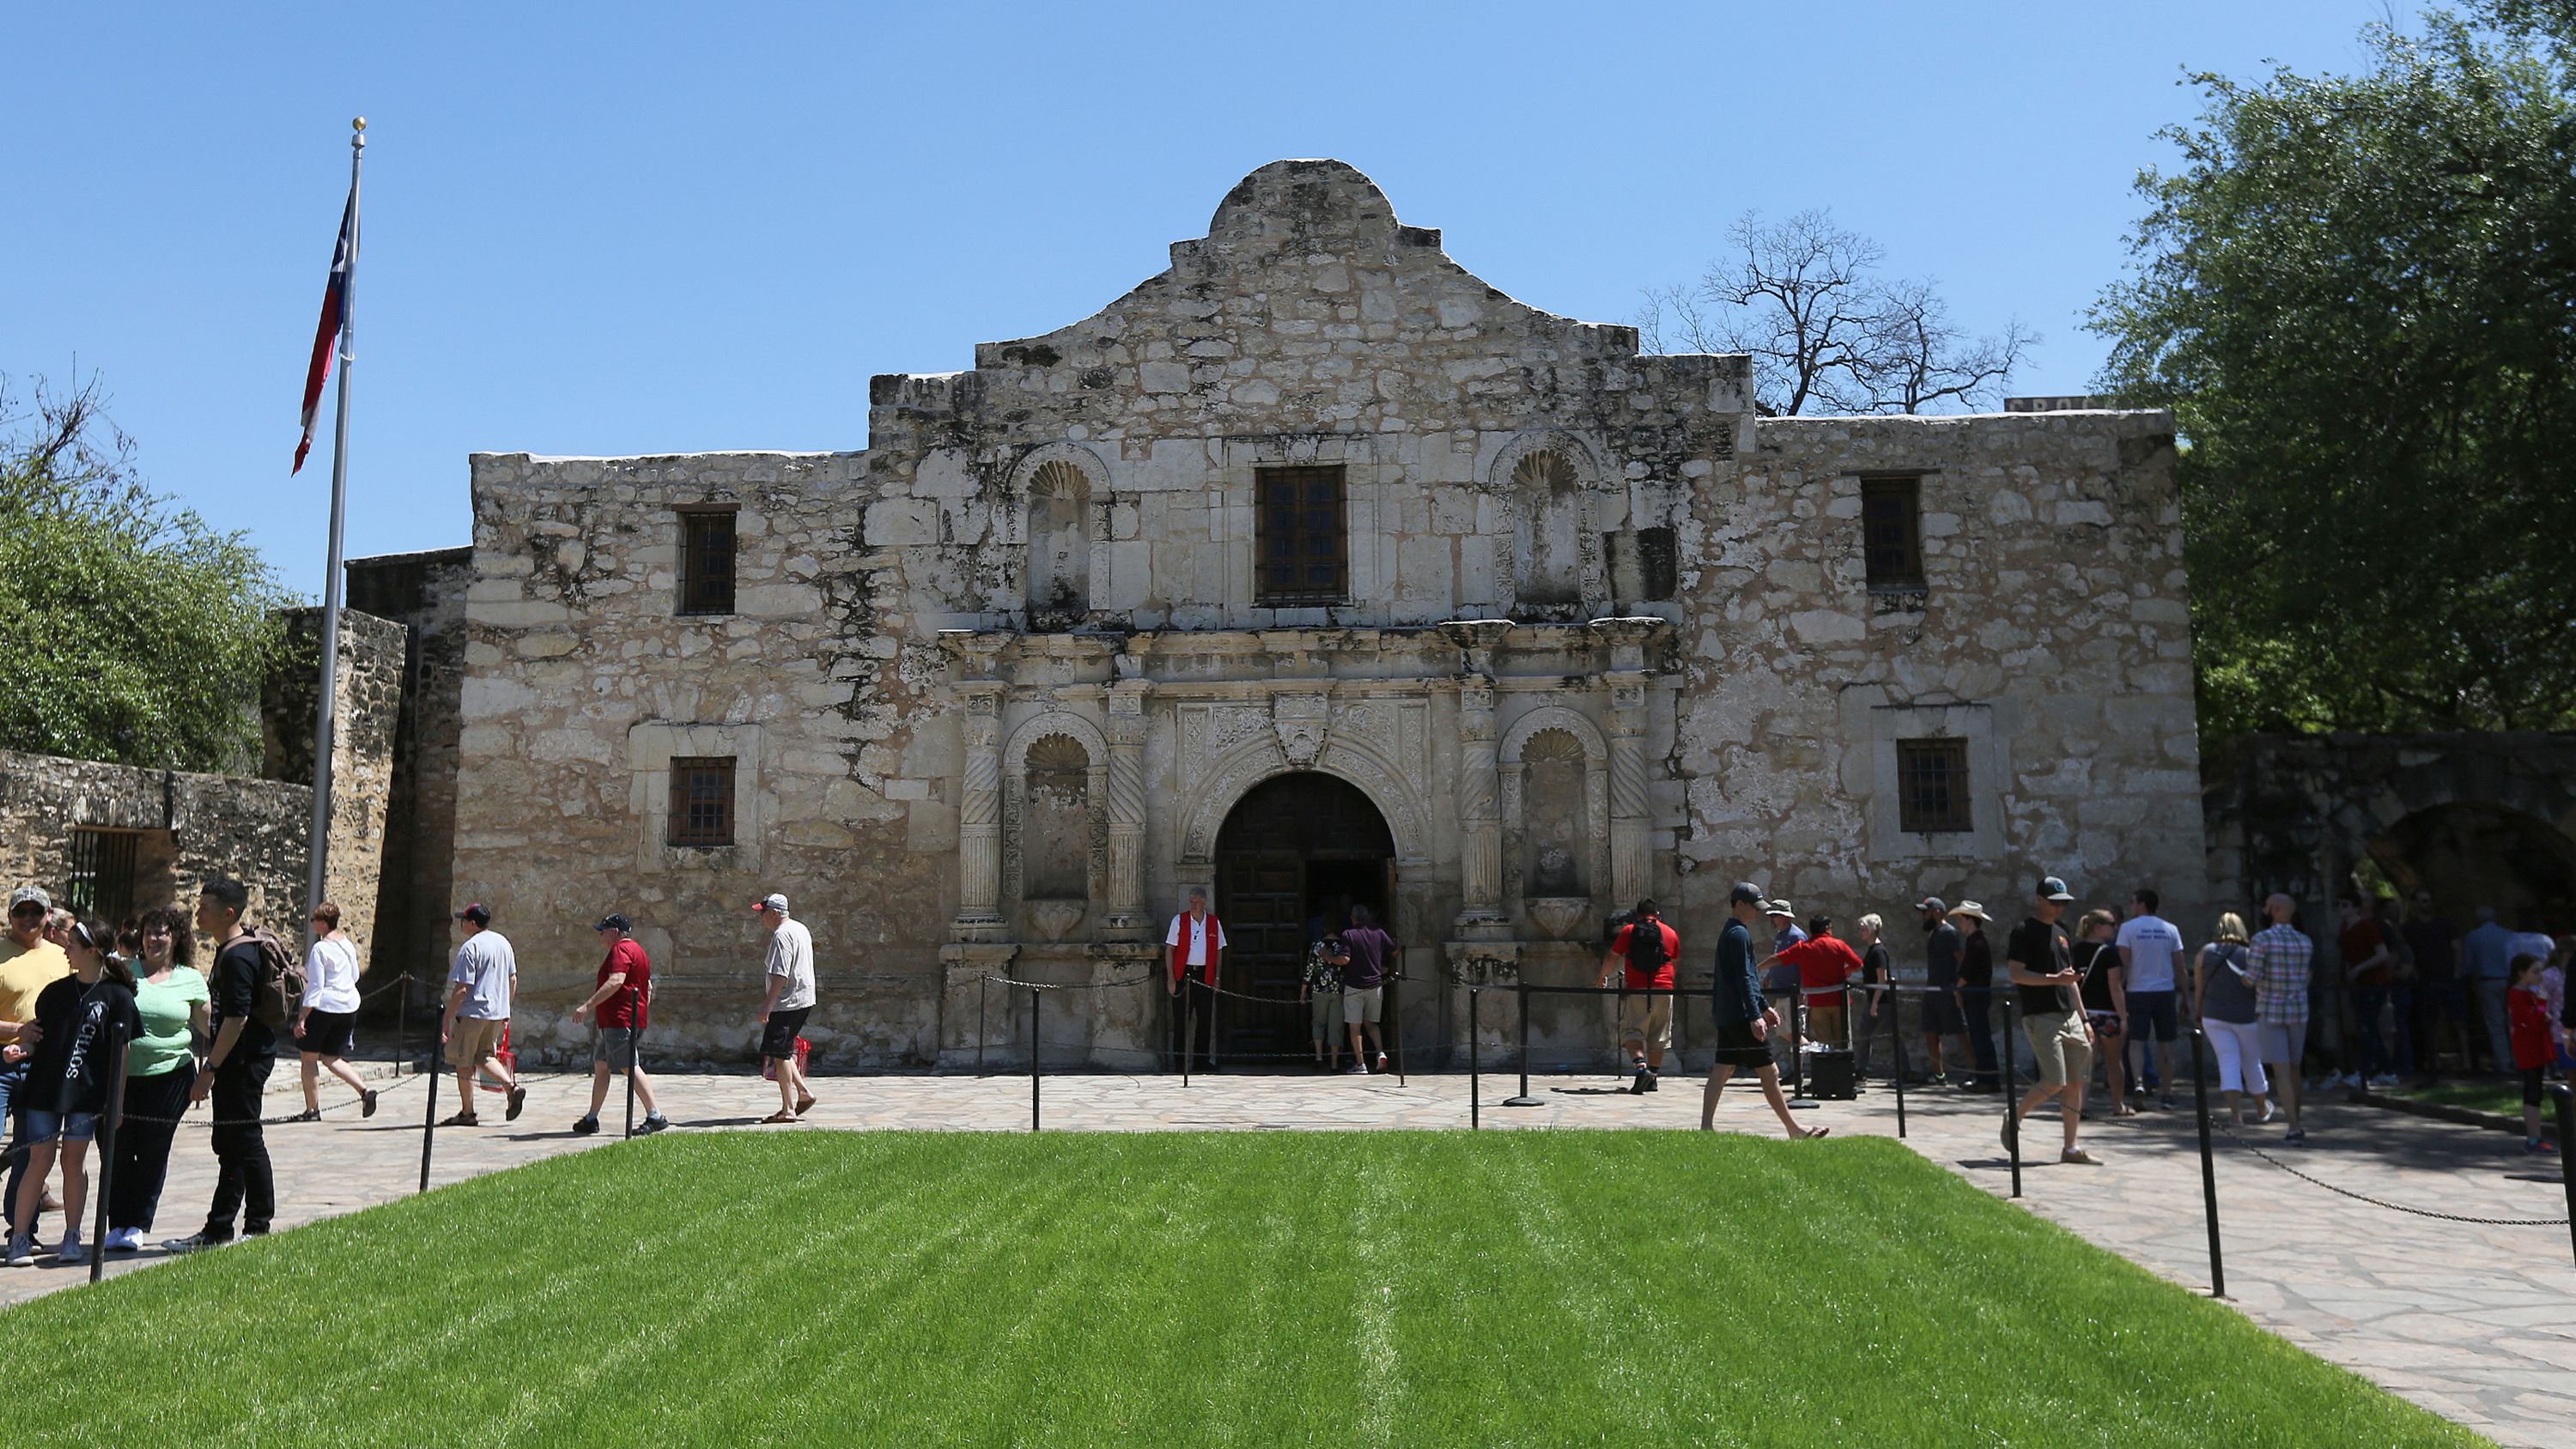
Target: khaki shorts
[
  {"x": 1326, "y": 1010},
  {"x": 472, "y": 1040},
  {"x": 1363, "y": 1004},
  {"x": 1647, "y": 1020},
  {"x": 2057, "y": 1039}
]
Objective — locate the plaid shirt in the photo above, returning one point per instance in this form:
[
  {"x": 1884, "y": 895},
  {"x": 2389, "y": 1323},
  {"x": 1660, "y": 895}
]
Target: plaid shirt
[{"x": 2279, "y": 969}]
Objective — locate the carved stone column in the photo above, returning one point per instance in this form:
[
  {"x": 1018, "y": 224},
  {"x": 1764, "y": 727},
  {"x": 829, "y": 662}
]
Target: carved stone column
[
  {"x": 1627, "y": 787},
  {"x": 979, "y": 815},
  {"x": 1480, "y": 826},
  {"x": 1126, "y": 786}
]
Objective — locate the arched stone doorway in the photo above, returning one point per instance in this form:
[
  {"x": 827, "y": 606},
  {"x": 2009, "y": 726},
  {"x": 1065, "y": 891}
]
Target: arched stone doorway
[
  {"x": 1289, "y": 851},
  {"x": 2473, "y": 854}
]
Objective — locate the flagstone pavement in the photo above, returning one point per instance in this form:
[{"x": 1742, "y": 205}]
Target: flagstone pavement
[{"x": 2477, "y": 1323}]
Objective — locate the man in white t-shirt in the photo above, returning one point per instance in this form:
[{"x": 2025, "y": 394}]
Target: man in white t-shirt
[
  {"x": 2150, "y": 950},
  {"x": 790, "y": 969},
  {"x": 1197, "y": 940}
]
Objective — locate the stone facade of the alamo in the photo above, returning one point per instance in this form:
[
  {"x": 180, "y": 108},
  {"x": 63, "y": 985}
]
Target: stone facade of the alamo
[{"x": 1313, "y": 567}]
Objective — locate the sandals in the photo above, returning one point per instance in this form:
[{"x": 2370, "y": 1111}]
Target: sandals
[
  {"x": 804, "y": 1103},
  {"x": 309, "y": 1114},
  {"x": 784, "y": 1119},
  {"x": 518, "y": 1099},
  {"x": 1813, "y": 1133},
  {"x": 462, "y": 1119},
  {"x": 367, "y": 1103}
]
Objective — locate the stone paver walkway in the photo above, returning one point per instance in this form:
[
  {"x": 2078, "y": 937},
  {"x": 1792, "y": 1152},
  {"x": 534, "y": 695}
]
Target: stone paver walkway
[{"x": 2476, "y": 1323}]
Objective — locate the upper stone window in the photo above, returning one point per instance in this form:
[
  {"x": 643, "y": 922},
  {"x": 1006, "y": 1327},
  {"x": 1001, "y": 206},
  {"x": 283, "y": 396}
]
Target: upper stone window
[
  {"x": 706, "y": 561},
  {"x": 1932, "y": 786},
  {"x": 1304, "y": 543},
  {"x": 1549, "y": 541},
  {"x": 1059, "y": 546},
  {"x": 1891, "y": 521}
]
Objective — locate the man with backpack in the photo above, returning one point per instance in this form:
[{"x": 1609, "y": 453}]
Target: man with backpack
[
  {"x": 1648, "y": 947},
  {"x": 247, "y": 998}
]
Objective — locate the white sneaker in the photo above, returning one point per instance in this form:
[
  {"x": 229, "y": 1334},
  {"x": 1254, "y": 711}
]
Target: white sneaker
[
  {"x": 22, "y": 1251},
  {"x": 2384, "y": 1079},
  {"x": 124, "y": 1240},
  {"x": 70, "y": 1253}
]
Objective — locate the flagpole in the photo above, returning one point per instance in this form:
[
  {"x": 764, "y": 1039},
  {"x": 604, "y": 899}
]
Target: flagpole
[{"x": 316, "y": 872}]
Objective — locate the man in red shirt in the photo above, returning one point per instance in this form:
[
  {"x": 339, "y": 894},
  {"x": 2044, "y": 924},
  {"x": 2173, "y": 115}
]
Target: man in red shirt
[
  {"x": 624, "y": 998},
  {"x": 1825, "y": 966},
  {"x": 1646, "y": 946}
]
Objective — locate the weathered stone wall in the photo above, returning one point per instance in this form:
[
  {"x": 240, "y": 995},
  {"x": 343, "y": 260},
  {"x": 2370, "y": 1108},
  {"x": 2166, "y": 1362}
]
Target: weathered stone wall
[
  {"x": 425, "y": 592},
  {"x": 191, "y": 827},
  {"x": 2051, "y": 634},
  {"x": 366, "y": 705},
  {"x": 1593, "y": 607}
]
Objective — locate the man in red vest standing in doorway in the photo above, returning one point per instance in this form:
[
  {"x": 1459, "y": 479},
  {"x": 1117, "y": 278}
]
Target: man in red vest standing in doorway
[{"x": 1197, "y": 940}]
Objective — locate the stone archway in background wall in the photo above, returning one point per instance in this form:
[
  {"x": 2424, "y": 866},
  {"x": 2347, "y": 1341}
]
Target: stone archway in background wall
[{"x": 2300, "y": 813}]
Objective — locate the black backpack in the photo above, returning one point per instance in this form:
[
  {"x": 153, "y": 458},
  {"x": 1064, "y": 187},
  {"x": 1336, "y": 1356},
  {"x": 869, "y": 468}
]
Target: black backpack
[{"x": 1646, "y": 953}]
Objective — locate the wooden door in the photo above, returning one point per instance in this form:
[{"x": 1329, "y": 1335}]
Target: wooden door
[{"x": 1288, "y": 838}]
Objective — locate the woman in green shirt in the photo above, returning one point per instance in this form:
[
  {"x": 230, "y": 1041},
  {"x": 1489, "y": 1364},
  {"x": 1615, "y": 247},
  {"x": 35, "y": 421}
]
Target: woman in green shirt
[{"x": 158, "y": 1071}]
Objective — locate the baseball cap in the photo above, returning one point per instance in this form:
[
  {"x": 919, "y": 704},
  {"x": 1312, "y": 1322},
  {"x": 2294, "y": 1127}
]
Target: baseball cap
[
  {"x": 30, "y": 896},
  {"x": 771, "y": 902},
  {"x": 1934, "y": 904},
  {"x": 1745, "y": 892},
  {"x": 2053, "y": 889},
  {"x": 612, "y": 922},
  {"x": 478, "y": 913}
]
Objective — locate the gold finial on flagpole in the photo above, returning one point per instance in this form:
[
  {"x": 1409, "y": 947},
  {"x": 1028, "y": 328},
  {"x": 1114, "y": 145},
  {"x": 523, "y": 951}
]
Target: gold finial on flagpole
[{"x": 358, "y": 124}]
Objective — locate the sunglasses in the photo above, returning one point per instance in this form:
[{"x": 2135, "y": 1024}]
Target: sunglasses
[{"x": 26, "y": 913}]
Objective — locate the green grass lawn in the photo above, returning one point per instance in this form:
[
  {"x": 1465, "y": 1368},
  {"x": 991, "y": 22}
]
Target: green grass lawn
[
  {"x": 2500, "y": 1096},
  {"x": 1637, "y": 1289}
]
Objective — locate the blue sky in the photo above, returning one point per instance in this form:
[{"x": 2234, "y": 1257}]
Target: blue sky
[{"x": 638, "y": 228}]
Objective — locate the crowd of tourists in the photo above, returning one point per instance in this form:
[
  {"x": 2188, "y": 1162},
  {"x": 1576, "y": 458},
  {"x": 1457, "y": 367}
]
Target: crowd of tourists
[{"x": 75, "y": 990}]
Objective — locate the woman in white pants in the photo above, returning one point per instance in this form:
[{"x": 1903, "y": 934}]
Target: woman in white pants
[{"x": 2223, "y": 1000}]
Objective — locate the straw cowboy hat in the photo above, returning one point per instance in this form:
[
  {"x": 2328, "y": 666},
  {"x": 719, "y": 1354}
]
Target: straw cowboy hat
[{"x": 1971, "y": 908}]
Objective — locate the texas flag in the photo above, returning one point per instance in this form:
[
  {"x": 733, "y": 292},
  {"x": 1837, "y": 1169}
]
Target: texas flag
[{"x": 335, "y": 295}]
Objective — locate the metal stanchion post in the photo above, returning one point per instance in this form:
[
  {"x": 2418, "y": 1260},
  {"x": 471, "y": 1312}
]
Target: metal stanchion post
[
  {"x": 1798, "y": 1041},
  {"x": 1475, "y": 1061},
  {"x": 1896, "y": 1049},
  {"x": 402, "y": 1025},
  {"x": 634, "y": 1048},
  {"x": 2208, "y": 1173},
  {"x": 1619, "y": 1048},
  {"x": 1521, "y": 993},
  {"x": 983, "y": 989},
  {"x": 1034, "y": 994},
  {"x": 429, "y": 1120},
  {"x": 1189, "y": 1028},
  {"x": 2560, "y": 1095},
  {"x": 109, "y": 1128},
  {"x": 1395, "y": 1026},
  {"x": 2012, "y": 1089}
]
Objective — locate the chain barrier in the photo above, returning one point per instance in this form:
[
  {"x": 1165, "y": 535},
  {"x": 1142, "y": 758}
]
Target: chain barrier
[{"x": 2378, "y": 1202}]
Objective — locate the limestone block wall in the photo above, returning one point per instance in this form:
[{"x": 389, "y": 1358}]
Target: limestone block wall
[
  {"x": 582, "y": 683},
  {"x": 2051, "y": 634},
  {"x": 426, "y": 593},
  {"x": 190, "y": 827},
  {"x": 366, "y": 710}
]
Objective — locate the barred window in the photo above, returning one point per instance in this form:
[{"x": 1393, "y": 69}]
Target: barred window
[
  {"x": 1932, "y": 786},
  {"x": 1891, "y": 520},
  {"x": 102, "y": 874},
  {"x": 706, "y": 561},
  {"x": 1304, "y": 545},
  {"x": 701, "y": 803}
]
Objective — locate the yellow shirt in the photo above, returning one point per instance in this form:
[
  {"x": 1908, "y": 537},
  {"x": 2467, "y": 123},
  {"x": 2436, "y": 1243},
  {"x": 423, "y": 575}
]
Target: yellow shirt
[{"x": 25, "y": 971}]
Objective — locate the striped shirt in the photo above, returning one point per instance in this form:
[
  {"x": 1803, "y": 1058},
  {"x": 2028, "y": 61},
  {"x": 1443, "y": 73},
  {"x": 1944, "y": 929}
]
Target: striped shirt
[{"x": 2280, "y": 971}]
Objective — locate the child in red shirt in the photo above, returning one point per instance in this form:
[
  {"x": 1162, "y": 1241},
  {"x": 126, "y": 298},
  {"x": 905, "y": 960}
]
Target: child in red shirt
[{"x": 2533, "y": 1045}]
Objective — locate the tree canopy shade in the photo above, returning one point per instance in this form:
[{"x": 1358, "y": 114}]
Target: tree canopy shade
[
  {"x": 130, "y": 630},
  {"x": 2358, "y": 295}
]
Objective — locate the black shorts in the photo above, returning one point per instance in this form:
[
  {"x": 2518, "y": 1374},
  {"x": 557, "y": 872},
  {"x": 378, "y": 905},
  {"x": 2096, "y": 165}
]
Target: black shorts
[
  {"x": 2531, "y": 1085},
  {"x": 328, "y": 1033},
  {"x": 1941, "y": 1014},
  {"x": 778, "y": 1039},
  {"x": 1738, "y": 1047}
]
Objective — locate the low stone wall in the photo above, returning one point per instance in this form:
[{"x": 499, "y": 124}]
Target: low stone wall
[{"x": 189, "y": 827}]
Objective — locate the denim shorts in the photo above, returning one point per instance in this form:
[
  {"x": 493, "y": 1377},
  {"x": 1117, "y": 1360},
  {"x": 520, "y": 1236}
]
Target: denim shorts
[
  {"x": 2152, "y": 1016},
  {"x": 57, "y": 1127}
]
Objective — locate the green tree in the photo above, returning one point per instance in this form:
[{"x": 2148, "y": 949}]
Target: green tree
[
  {"x": 130, "y": 630},
  {"x": 2358, "y": 295}
]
